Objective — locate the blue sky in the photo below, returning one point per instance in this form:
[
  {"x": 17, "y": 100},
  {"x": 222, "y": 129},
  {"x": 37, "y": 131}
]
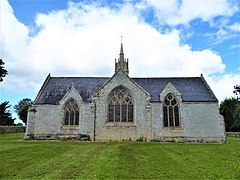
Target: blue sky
[{"x": 82, "y": 38}]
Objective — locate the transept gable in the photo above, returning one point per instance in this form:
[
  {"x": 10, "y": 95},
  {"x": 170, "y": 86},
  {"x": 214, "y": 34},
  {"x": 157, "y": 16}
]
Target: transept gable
[
  {"x": 71, "y": 94},
  {"x": 119, "y": 79},
  {"x": 170, "y": 89}
]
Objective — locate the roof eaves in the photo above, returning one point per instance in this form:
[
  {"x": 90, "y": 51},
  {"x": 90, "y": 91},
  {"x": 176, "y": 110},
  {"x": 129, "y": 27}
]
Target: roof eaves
[
  {"x": 188, "y": 101},
  {"x": 42, "y": 88},
  {"x": 208, "y": 87}
]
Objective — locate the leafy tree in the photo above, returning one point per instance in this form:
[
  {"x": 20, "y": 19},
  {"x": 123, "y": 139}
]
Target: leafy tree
[
  {"x": 5, "y": 115},
  {"x": 3, "y": 72},
  {"x": 229, "y": 109},
  {"x": 236, "y": 117},
  {"x": 237, "y": 90},
  {"x": 19, "y": 124},
  {"x": 22, "y": 109}
]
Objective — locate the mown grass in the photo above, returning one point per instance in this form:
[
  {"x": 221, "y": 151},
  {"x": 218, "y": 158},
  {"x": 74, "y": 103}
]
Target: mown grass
[{"x": 20, "y": 159}]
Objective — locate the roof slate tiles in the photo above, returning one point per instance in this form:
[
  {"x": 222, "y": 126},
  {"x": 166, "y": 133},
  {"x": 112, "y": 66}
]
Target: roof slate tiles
[{"x": 193, "y": 89}]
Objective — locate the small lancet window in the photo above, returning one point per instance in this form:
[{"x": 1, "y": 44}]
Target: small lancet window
[
  {"x": 120, "y": 106},
  {"x": 71, "y": 114},
  {"x": 170, "y": 112}
]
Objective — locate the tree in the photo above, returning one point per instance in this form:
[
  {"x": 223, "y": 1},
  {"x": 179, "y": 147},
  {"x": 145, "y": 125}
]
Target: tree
[
  {"x": 22, "y": 109},
  {"x": 236, "y": 89},
  {"x": 236, "y": 117},
  {"x": 3, "y": 72},
  {"x": 230, "y": 109},
  {"x": 5, "y": 115},
  {"x": 19, "y": 124}
]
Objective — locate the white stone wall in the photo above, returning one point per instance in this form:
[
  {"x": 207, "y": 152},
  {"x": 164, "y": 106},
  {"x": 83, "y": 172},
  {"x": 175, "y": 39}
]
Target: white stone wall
[
  {"x": 202, "y": 120},
  {"x": 121, "y": 131},
  {"x": 48, "y": 120},
  {"x": 198, "y": 122},
  {"x": 86, "y": 125}
]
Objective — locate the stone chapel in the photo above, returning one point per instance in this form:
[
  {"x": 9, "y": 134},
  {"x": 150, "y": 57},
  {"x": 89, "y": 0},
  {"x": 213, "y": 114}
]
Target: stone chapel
[{"x": 125, "y": 108}]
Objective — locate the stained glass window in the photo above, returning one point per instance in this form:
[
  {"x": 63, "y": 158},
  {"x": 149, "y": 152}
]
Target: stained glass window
[
  {"x": 120, "y": 106},
  {"x": 170, "y": 112},
  {"x": 71, "y": 113}
]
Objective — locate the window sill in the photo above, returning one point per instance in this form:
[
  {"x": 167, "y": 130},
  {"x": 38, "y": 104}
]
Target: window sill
[
  {"x": 120, "y": 124},
  {"x": 173, "y": 128},
  {"x": 70, "y": 127}
]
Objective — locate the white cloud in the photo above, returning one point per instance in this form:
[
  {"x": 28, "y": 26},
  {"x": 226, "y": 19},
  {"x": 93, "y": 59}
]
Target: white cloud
[
  {"x": 174, "y": 12},
  {"x": 14, "y": 35},
  {"x": 84, "y": 40},
  {"x": 235, "y": 27},
  {"x": 223, "y": 85}
]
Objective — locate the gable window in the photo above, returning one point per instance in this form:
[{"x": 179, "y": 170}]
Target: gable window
[
  {"x": 71, "y": 114},
  {"x": 120, "y": 106},
  {"x": 170, "y": 112}
]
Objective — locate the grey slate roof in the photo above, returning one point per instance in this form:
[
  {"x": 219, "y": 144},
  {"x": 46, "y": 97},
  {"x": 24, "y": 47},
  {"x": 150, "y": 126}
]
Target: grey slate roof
[{"x": 193, "y": 89}]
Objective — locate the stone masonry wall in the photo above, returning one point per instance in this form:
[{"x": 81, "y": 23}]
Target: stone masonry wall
[
  {"x": 121, "y": 131},
  {"x": 198, "y": 122},
  {"x": 12, "y": 129},
  {"x": 47, "y": 122},
  {"x": 233, "y": 134}
]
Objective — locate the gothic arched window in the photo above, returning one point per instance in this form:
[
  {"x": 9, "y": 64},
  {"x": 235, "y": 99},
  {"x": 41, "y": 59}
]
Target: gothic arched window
[
  {"x": 120, "y": 106},
  {"x": 170, "y": 111},
  {"x": 71, "y": 114}
]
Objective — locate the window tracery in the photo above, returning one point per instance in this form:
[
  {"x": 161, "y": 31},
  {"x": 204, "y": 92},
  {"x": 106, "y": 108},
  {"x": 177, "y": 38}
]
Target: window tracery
[
  {"x": 170, "y": 112},
  {"x": 71, "y": 114},
  {"x": 120, "y": 106}
]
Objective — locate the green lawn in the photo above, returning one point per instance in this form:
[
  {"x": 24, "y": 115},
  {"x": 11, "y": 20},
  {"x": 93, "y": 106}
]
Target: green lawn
[{"x": 22, "y": 159}]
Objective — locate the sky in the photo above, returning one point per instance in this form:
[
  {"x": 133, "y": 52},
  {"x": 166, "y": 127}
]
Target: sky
[{"x": 161, "y": 38}]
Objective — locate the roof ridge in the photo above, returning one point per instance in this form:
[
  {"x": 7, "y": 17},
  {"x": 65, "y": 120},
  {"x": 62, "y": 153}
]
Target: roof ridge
[
  {"x": 130, "y": 77},
  {"x": 164, "y": 77},
  {"x": 78, "y": 77}
]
